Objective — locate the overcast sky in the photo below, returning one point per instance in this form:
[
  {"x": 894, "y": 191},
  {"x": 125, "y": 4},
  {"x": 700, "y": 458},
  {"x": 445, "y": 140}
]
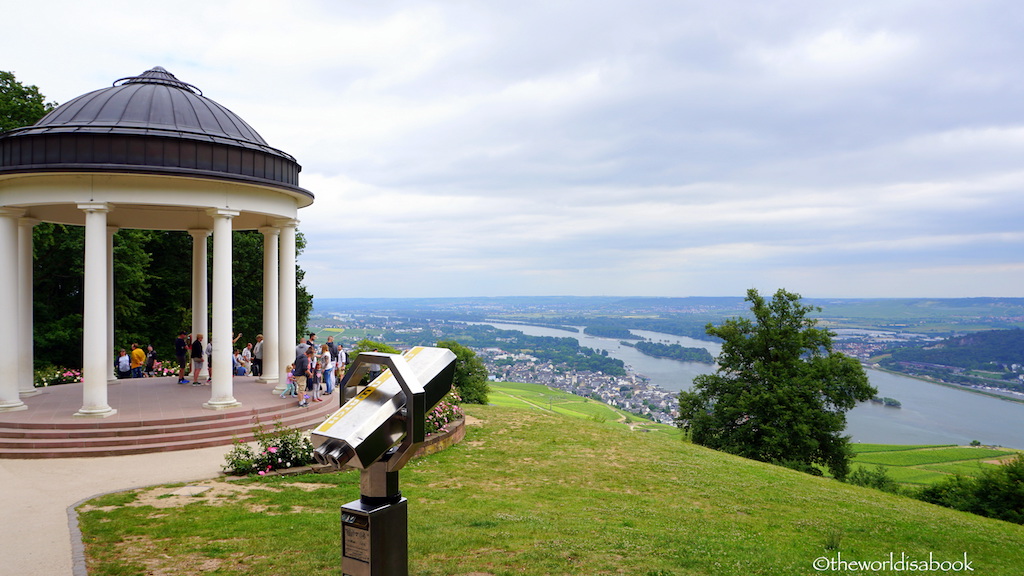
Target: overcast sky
[{"x": 677, "y": 148}]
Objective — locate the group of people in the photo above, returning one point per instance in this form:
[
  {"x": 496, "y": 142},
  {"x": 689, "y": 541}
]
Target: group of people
[
  {"x": 191, "y": 352},
  {"x": 314, "y": 373},
  {"x": 315, "y": 367},
  {"x": 139, "y": 364}
]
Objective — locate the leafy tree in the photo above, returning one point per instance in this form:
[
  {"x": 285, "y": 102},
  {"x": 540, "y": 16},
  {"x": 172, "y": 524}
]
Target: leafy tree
[
  {"x": 367, "y": 345},
  {"x": 152, "y": 290},
  {"x": 20, "y": 105},
  {"x": 132, "y": 262},
  {"x": 470, "y": 373},
  {"x": 58, "y": 278},
  {"x": 780, "y": 393}
]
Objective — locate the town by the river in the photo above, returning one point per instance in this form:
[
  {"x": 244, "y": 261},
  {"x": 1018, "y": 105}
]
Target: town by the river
[{"x": 930, "y": 413}]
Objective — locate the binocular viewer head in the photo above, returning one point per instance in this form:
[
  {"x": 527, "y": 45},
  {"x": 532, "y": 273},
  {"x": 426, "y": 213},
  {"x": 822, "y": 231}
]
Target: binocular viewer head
[{"x": 386, "y": 419}]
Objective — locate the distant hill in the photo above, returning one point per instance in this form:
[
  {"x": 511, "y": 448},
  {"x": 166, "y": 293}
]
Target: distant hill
[
  {"x": 548, "y": 304},
  {"x": 978, "y": 351},
  {"x": 688, "y": 316}
]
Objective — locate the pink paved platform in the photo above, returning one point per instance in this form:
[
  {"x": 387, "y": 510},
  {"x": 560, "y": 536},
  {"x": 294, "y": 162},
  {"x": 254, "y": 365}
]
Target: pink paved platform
[{"x": 153, "y": 414}]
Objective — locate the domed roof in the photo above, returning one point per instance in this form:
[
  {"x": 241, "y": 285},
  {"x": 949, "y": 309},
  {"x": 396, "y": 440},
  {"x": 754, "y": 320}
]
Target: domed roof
[
  {"x": 152, "y": 102},
  {"x": 152, "y": 122}
]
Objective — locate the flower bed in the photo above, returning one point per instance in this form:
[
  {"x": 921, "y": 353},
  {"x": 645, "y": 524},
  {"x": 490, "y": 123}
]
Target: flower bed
[{"x": 437, "y": 442}]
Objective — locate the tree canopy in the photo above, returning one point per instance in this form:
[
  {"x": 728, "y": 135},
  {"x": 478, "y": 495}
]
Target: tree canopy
[
  {"x": 470, "y": 373},
  {"x": 152, "y": 290},
  {"x": 780, "y": 393},
  {"x": 20, "y": 105}
]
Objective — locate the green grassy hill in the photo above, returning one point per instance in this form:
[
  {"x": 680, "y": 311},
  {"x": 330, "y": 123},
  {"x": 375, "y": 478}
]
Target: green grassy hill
[
  {"x": 538, "y": 492},
  {"x": 518, "y": 395}
]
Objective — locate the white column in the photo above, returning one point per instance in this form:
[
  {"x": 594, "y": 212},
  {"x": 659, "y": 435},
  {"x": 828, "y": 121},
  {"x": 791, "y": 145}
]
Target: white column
[
  {"x": 94, "y": 318},
  {"x": 222, "y": 393},
  {"x": 10, "y": 399},
  {"x": 111, "y": 347},
  {"x": 25, "y": 336},
  {"x": 200, "y": 299},
  {"x": 271, "y": 336},
  {"x": 286, "y": 293}
]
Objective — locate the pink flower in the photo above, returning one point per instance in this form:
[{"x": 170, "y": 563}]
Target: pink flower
[
  {"x": 272, "y": 449},
  {"x": 262, "y": 473}
]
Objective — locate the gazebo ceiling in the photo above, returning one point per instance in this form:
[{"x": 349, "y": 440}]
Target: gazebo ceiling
[{"x": 151, "y": 124}]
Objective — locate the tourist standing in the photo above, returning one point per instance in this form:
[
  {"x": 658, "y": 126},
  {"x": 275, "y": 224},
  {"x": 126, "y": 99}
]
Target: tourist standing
[
  {"x": 209, "y": 362},
  {"x": 138, "y": 360},
  {"x": 332, "y": 347},
  {"x": 257, "y": 356},
  {"x": 181, "y": 346},
  {"x": 339, "y": 370},
  {"x": 302, "y": 373},
  {"x": 150, "y": 361},
  {"x": 313, "y": 384},
  {"x": 327, "y": 362},
  {"x": 301, "y": 347},
  {"x": 124, "y": 365},
  {"x": 197, "y": 359}
]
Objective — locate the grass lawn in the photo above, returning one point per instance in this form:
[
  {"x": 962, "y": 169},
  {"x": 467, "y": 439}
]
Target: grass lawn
[{"x": 533, "y": 491}]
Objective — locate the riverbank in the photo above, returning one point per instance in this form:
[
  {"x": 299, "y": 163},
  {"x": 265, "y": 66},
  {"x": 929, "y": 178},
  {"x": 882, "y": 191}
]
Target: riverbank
[{"x": 1007, "y": 396}]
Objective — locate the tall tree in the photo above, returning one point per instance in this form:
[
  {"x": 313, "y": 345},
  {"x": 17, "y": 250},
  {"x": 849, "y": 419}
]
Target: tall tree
[
  {"x": 780, "y": 393},
  {"x": 58, "y": 279},
  {"x": 247, "y": 286},
  {"x": 470, "y": 379},
  {"x": 20, "y": 105},
  {"x": 152, "y": 290}
]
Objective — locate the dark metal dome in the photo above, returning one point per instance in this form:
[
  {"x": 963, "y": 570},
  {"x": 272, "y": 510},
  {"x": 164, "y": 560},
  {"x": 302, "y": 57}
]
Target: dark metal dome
[{"x": 152, "y": 123}]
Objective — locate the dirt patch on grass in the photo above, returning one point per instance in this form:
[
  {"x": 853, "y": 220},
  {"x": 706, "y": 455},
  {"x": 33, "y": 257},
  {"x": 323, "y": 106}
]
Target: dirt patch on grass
[
  {"x": 153, "y": 554},
  {"x": 211, "y": 492}
]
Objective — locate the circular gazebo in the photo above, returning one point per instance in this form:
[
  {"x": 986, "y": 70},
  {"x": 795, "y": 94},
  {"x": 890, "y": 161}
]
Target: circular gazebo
[{"x": 149, "y": 152}]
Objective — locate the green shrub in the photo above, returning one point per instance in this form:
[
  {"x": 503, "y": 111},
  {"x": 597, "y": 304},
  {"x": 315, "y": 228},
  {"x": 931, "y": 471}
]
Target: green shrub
[
  {"x": 878, "y": 479},
  {"x": 470, "y": 373},
  {"x": 280, "y": 448},
  {"x": 997, "y": 493}
]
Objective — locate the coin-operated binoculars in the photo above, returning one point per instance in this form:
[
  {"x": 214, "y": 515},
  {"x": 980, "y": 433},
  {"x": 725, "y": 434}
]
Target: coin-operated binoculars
[{"x": 378, "y": 431}]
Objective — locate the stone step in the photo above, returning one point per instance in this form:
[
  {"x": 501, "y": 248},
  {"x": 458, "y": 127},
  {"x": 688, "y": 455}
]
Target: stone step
[
  {"x": 54, "y": 440},
  {"x": 142, "y": 428},
  {"x": 220, "y": 429},
  {"x": 207, "y": 416}
]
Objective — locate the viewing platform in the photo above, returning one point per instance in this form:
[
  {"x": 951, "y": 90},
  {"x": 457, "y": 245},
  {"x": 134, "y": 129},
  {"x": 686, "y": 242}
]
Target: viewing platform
[{"x": 153, "y": 415}]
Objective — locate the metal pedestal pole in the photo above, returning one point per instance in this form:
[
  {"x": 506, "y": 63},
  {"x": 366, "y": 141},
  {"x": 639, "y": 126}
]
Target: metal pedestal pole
[{"x": 375, "y": 528}]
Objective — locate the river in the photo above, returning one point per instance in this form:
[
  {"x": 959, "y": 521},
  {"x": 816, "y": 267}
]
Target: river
[{"x": 931, "y": 414}]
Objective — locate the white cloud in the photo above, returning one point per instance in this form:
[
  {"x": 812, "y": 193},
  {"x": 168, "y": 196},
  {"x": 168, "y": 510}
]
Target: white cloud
[{"x": 653, "y": 148}]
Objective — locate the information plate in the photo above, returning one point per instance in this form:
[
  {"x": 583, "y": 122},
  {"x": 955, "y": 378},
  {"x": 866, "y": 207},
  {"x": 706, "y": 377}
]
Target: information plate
[{"x": 357, "y": 543}]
